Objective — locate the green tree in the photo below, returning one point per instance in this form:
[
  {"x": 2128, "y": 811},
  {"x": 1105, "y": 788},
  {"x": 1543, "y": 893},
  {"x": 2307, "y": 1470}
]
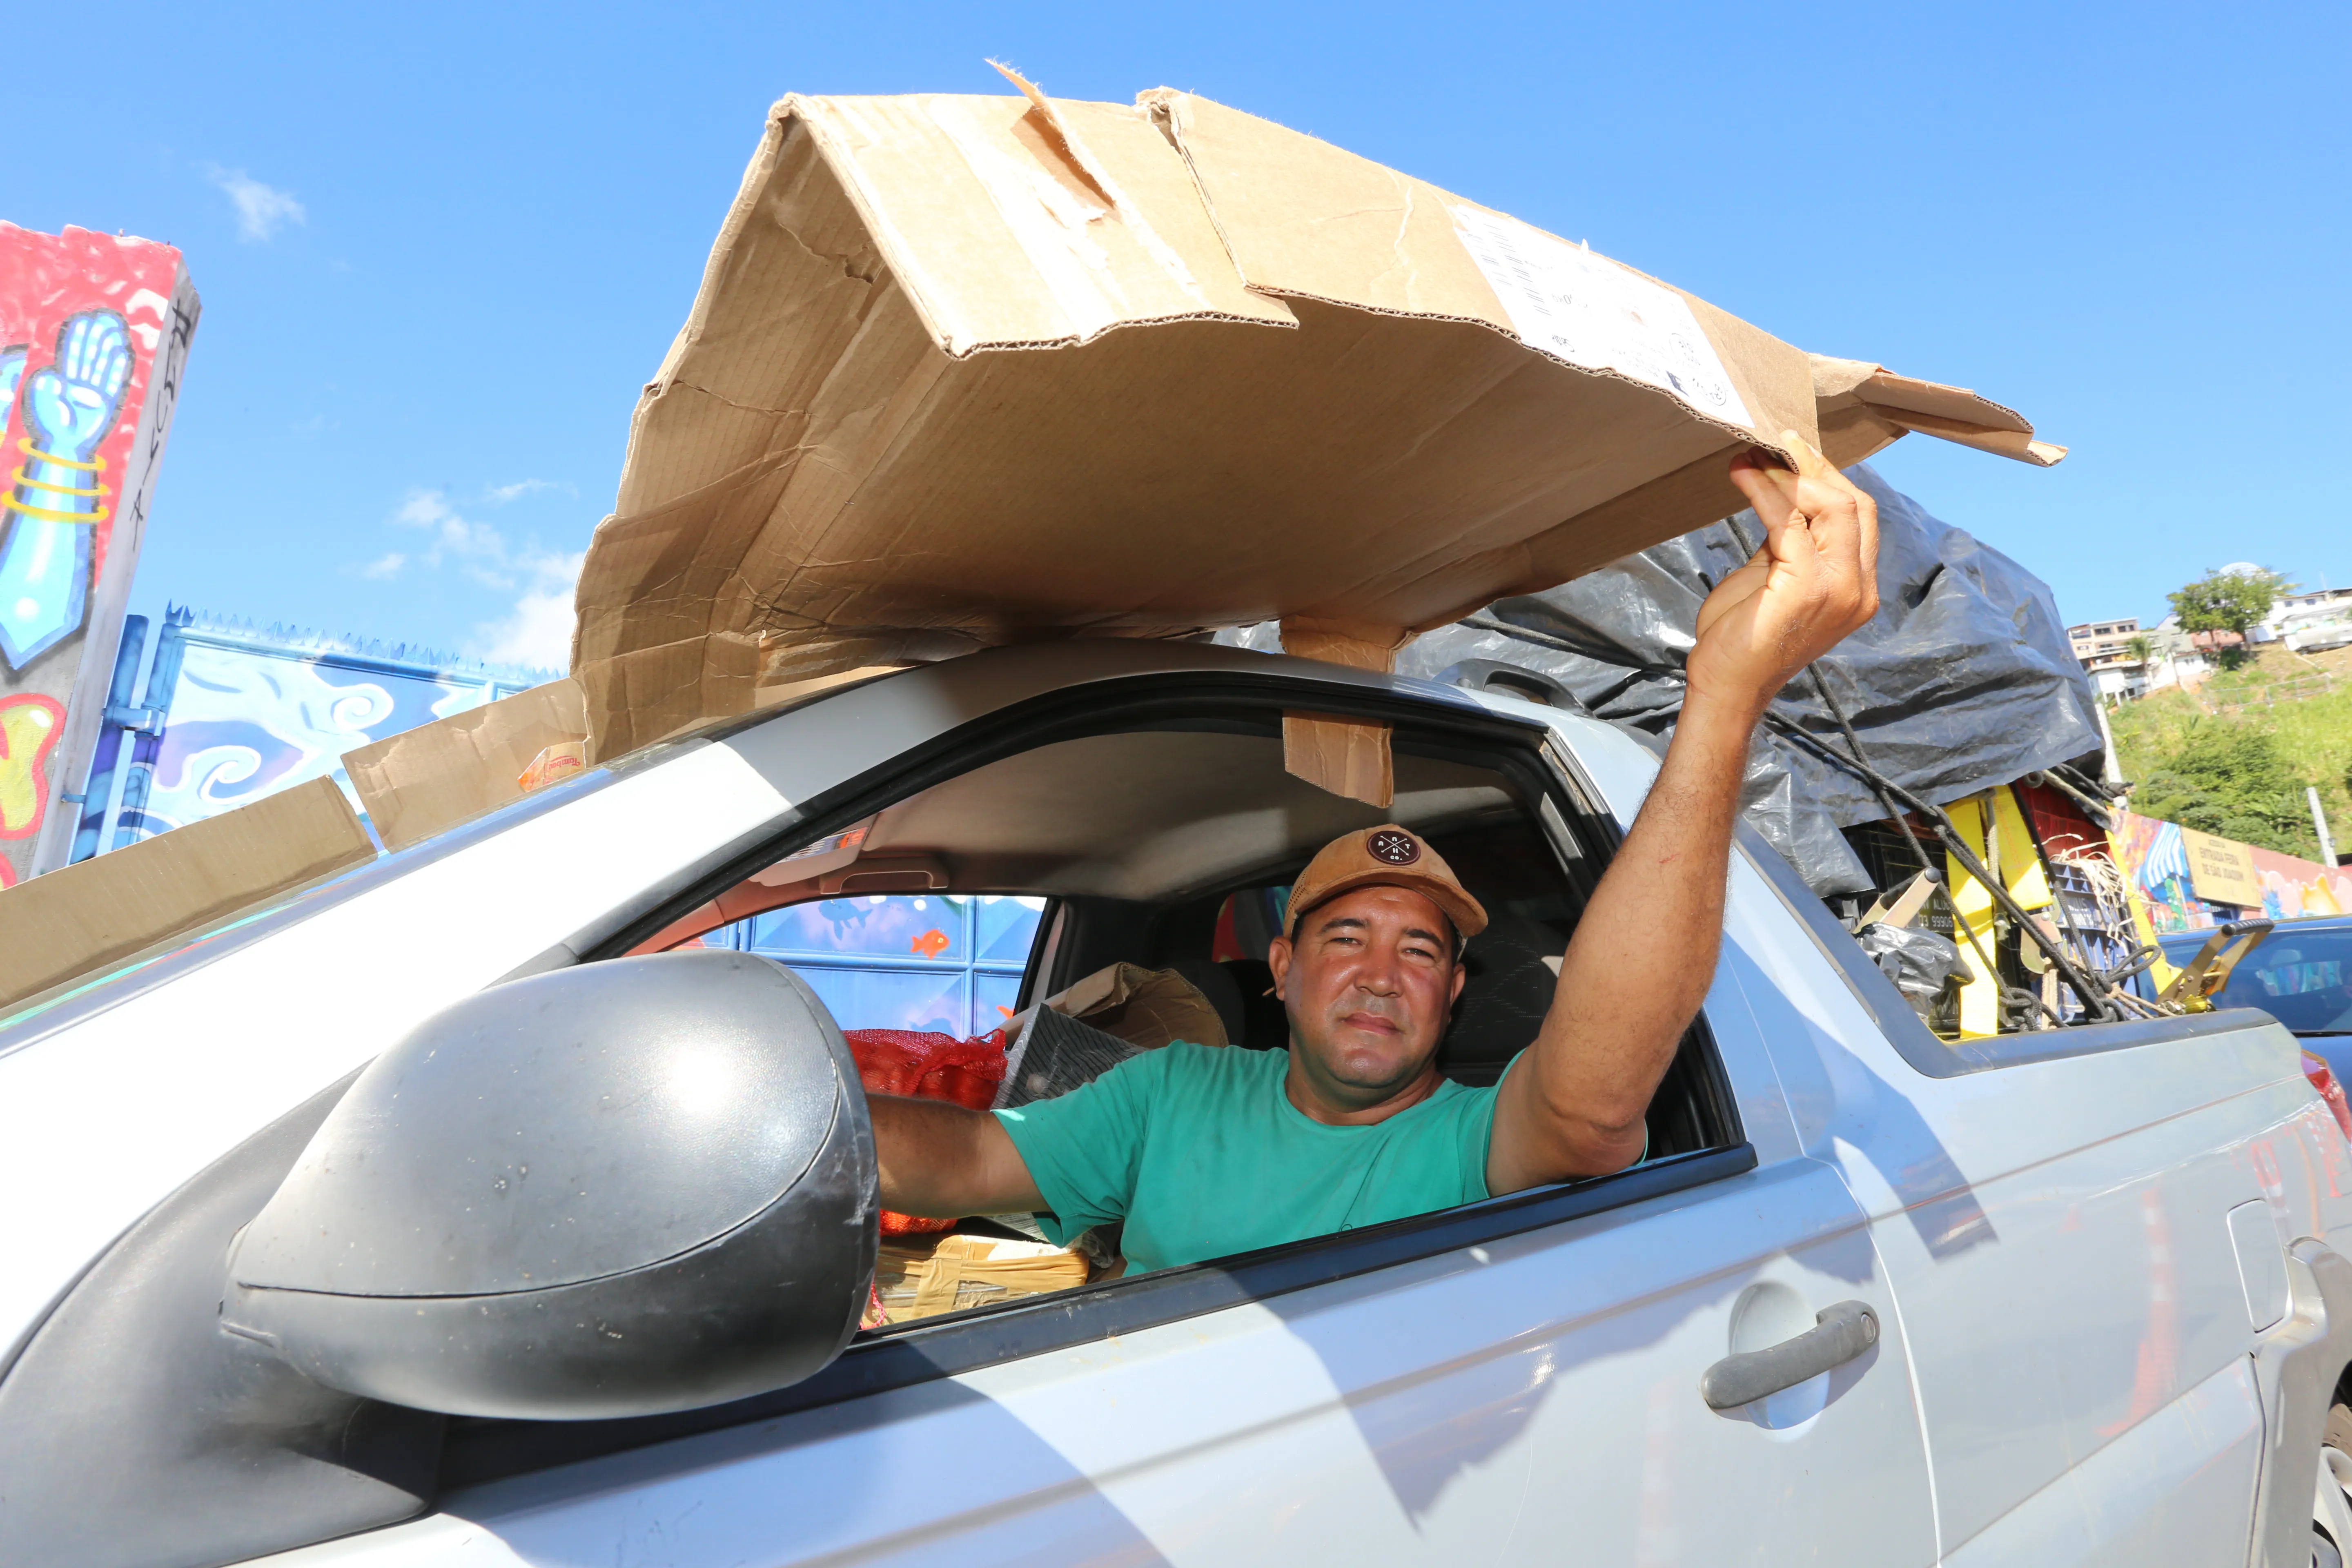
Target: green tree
[
  {"x": 2227, "y": 602},
  {"x": 2140, "y": 648},
  {"x": 2227, "y": 778}
]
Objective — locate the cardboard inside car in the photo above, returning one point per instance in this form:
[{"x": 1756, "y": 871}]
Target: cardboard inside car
[{"x": 973, "y": 370}]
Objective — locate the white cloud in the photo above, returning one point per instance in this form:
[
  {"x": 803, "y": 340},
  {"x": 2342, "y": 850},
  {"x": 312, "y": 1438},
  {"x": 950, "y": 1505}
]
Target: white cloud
[
  {"x": 504, "y": 493},
  {"x": 261, "y": 209},
  {"x": 538, "y": 631},
  {"x": 477, "y": 549}
]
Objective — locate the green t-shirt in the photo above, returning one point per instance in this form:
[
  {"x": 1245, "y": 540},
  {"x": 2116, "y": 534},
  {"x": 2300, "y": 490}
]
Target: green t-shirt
[{"x": 1202, "y": 1155}]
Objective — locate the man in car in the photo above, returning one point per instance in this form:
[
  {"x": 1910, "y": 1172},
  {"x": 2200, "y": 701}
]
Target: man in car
[{"x": 1205, "y": 1152}]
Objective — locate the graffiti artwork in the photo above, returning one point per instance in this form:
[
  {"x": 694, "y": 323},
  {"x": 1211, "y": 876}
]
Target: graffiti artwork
[
  {"x": 59, "y": 500},
  {"x": 29, "y": 726},
  {"x": 2155, "y": 858},
  {"x": 94, "y": 331},
  {"x": 242, "y": 713},
  {"x": 2294, "y": 889}
]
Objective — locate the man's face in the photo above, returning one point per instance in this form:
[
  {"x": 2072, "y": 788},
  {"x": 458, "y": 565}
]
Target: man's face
[{"x": 1369, "y": 981}]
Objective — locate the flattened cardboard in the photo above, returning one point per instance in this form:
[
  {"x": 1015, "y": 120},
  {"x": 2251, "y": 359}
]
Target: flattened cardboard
[
  {"x": 966, "y": 371},
  {"x": 421, "y": 781},
  {"x": 85, "y": 916}
]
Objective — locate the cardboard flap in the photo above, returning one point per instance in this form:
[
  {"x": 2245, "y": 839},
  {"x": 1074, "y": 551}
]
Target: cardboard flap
[
  {"x": 1864, "y": 407},
  {"x": 83, "y": 916},
  {"x": 421, "y": 781},
  {"x": 1017, "y": 224}
]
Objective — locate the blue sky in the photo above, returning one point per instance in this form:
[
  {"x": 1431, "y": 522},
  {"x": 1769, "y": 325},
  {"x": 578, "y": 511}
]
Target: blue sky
[{"x": 441, "y": 247}]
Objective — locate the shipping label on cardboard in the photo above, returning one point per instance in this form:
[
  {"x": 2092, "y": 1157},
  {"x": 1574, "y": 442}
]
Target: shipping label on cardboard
[{"x": 1563, "y": 300}]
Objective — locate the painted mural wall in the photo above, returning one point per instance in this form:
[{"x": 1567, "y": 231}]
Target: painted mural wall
[
  {"x": 94, "y": 332},
  {"x": 241, "y": 712},
  {"x": 2154, "y": 858}
]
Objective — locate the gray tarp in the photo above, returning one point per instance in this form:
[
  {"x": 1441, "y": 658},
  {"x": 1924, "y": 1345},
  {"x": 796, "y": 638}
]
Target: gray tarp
[{"x": 1964, "y": 678}]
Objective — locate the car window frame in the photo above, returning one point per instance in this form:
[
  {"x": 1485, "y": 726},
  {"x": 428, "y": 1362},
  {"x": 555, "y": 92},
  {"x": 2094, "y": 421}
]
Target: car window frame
[{"x": 1531, "y": 755}]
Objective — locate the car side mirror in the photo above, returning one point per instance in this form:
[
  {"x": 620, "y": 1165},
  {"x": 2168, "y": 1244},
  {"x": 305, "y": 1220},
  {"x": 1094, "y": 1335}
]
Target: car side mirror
[{"x": 629, "y": 1187}]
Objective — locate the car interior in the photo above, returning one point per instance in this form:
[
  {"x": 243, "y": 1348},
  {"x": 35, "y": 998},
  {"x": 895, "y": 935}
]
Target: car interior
[{"x": 1170, "y": 847}]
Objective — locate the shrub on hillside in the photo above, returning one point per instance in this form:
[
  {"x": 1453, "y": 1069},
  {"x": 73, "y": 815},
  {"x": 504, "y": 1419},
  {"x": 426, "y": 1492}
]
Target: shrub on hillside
[{"x": 2230, "y": 778}]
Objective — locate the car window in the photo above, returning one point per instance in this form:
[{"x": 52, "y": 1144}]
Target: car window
[
  {"x": 2298, "y": 977},
  {"x": 1156, "y": 833},
  {"x": 1160, "y": 862},
  {"x": 939, "y": 963}
]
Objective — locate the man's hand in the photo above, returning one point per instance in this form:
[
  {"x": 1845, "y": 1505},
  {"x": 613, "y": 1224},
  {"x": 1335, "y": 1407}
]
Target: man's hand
[
  {"x": 1814, "y": 580},
  {"x": 1644, "y": 950}
]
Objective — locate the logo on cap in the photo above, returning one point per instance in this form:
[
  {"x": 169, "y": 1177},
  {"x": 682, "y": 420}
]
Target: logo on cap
[{"x": 1396, "y": 849}]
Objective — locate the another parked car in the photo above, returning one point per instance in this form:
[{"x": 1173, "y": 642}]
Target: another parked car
[
  {"x": 432, "y": 1217},
  {"x": 2301, "y": 974}
]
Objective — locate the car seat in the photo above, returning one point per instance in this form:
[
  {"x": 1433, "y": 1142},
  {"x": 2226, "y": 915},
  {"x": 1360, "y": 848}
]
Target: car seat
[
  {"x": 1504, "y": 1001},
  {"x": 1237, "y": 988}
]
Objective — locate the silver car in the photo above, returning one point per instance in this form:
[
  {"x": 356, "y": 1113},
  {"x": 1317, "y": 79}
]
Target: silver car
[{"x": 2072, "y": 1296}]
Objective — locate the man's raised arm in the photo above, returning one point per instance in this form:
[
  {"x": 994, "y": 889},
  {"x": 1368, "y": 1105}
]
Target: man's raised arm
[{"x": 1644, "y": 950}]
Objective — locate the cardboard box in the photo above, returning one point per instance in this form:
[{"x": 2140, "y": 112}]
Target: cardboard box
[
  {"x": 1146, "y": 1007},
  {"x": 973, "y": 370},
  {"x": 82, "y": 917},
  {"x": 969, "y": 369}
]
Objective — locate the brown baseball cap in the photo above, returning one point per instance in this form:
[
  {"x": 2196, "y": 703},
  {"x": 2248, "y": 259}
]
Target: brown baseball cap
[{"x": 1387, "y": 856}]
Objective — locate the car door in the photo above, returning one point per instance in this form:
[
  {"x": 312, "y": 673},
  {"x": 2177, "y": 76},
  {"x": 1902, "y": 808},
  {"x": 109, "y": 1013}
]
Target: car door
[
  {"x": 1515, "y": 1381},
  {"x": 1519, "y": 1381},
  {"x": 2070, "y": 1224}
]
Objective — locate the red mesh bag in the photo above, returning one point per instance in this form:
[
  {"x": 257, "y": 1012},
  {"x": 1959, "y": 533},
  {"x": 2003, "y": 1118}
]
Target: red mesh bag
[{"x": 927, "y": 1066}]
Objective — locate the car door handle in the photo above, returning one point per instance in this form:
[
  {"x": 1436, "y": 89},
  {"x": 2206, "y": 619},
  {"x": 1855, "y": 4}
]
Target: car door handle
[{"x": 1840, "y": 1333}]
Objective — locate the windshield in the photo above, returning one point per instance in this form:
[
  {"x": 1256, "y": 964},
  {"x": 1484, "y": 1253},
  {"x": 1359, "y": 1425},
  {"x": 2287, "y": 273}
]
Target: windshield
[{"x": 2298, "y": 975}]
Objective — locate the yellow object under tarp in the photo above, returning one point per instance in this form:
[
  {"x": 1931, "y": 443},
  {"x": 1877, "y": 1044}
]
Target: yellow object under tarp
[{"x": 2009, "y": 857}]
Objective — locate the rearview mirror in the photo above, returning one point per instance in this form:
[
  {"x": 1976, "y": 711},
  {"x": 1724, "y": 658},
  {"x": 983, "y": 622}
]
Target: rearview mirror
[{"x": 630, "y": 1187}]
